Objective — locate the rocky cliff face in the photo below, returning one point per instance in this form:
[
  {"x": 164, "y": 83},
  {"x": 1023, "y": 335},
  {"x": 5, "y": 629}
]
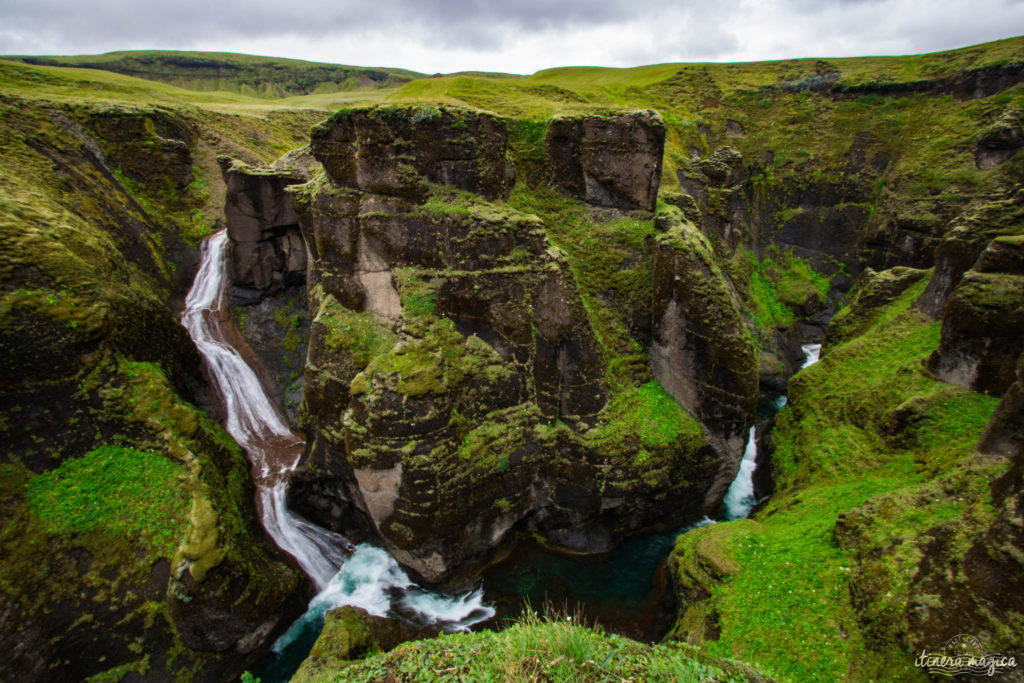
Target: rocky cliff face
[
  {"x": 267, "y": 253},
  {"x": 267, "y": 270},
  {"x": 702, "y": 351},
  {"x": 983, "y": 321},
  {"x": 455, "y": 390},
  {"x": 607, "y": 160},
  {"x": 129, "y": 536}
]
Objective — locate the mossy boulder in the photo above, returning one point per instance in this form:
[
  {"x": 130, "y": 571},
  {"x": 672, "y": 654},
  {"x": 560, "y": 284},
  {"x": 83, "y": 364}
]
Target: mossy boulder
[
  {"x": 1003, "y": 255},
  {"x": 349, "y": 634},
  {"x": 874, "y": 291}
]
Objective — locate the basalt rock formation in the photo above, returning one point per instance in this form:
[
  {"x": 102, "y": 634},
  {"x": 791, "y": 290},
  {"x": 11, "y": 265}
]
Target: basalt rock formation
[
  {"x": 455, "y": 390},
  {"x": 608, "y": 160},
  {"x": 983, "y": 321},
  {"x": 267, "y": 251},
  {"x": 701, "y": 351}
]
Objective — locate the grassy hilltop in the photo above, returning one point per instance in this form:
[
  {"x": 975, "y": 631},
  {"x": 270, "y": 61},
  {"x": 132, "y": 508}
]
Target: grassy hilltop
[{"x": 226, "y": 72}]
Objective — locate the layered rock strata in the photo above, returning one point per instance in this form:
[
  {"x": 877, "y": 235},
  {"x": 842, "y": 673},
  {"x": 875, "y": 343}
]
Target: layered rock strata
[{"x": 455, "y": 391}]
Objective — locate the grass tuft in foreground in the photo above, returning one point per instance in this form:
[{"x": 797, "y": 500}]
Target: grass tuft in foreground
[{"x": 558, "y": 649}]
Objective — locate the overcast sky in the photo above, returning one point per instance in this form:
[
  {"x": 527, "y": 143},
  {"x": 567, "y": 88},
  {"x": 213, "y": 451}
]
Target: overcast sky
[{"x": 517, "y": 36}]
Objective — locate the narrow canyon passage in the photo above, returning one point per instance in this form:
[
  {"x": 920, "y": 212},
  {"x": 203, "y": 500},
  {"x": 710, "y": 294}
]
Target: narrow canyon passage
[
  {"x": 363, "y": 576},
  {"x": 620, "y": 590}
]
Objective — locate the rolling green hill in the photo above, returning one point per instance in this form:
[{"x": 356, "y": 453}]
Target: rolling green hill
[{"x": 268, "y": 77}]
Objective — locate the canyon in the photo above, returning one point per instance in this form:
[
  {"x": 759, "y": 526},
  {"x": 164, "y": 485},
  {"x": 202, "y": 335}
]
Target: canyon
[{"x": 511, "y": 311}]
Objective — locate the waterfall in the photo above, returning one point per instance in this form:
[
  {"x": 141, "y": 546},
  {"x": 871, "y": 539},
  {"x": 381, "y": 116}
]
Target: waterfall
[
  {"x": 345, "y": 575},
  {"x": 740, "y": 499},
  {"x": 255, "y": 423},
  {"x": 811, "y": 354}
]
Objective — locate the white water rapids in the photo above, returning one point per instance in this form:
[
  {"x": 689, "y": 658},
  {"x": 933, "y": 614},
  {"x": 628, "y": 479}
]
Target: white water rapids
[{"x": 363, "y": 576}]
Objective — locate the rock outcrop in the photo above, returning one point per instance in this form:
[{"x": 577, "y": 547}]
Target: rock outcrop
[
  {"x": 983, "y": 321},
  {"x": 396, "y": 152},
  {"x": 1000, "y": 142},
  {"x": 968, "y": 237},
  {"x": 455, "y": 390},
  {"x": 267, "y": 252},
  {"x": 875, "y": 290},
  {"x": 351, "y": 633},
  {"x": 702, "y": 352},
  {"x": 607, "y": 160}
]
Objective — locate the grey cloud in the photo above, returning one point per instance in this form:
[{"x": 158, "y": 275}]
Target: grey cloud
[
  {"x": 470, "y": 23},
  {"x": 697, "y": 32},
  {"x": 680, "y": 30}
]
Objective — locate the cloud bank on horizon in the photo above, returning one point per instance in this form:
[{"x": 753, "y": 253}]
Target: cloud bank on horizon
[{"x": 519, "y": 37}]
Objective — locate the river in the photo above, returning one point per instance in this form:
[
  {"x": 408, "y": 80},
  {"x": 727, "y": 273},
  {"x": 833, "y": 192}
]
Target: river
[{"x": 616, "y": 590}]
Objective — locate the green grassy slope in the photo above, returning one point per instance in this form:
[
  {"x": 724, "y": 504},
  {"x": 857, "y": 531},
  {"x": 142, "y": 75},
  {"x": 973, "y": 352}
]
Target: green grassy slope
[
  {"x": 869, "y": 442},
  {"x": 268, "y": 77},
  {"x": 555, "y": 648}
]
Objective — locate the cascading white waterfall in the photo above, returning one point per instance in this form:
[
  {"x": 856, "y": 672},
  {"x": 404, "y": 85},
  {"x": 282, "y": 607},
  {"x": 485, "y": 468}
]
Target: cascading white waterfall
[
  {"x": 345, "y": 575},
  {"x": 740, "y": 498},
  {"x": 812, "y": 352},
  {"x": 255, "y": 423}
]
